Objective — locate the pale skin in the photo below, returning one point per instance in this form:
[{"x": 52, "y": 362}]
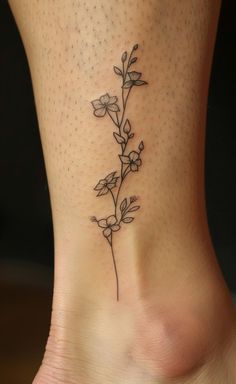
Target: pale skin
[{"x": 174, "y": 321}]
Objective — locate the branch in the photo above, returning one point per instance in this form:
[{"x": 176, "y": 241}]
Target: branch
[{"x": 124, "y": 103}]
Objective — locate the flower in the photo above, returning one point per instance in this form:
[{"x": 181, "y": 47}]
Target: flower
[
  {"x": 132, "y": 159},
  {"x": 110, "y": 225},
  {"x": 134, "y": 79},
  {"x": 105, "y": 104},
  {"x": 104, "y": 185}
]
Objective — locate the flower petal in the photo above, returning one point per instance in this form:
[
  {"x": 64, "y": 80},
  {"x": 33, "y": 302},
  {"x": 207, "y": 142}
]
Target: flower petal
[
  {"x": 113, "y": 107},
  {"x": 115, "y": 227},
  {"x": 110, "y": 177},
  {"x": 107, "y": 232},
  {"x": 111, "y": 185},
  {"x": 100, "y": 112},
  {"x": 133, "y": 199},
  {"x": 133, "y": 167},
  {"x": 100, "y": 185},
  {"x": 124, "y": 159},
  {"x": 128, "y": 84},
  {"x": 113, "y": 100},
  {"x": 103, "y": 191},
  {"x": 140, "y": 82},
  {"x": 111, "y": 220},
  {"x": 102, "y": 223},
  {"x": 134, "y": 75},
  {"x": 96, "y": 104},
  {"x": 138, "y": 162},
  {"x": 133, "y": 155},
  {"x": 105, "y": 99}
]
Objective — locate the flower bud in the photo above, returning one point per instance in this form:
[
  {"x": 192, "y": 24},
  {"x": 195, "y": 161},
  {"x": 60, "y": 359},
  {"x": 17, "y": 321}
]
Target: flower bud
[
  {"x": 127, "y": 127},
  {"x": 124, "y": 57},
  {"x": 141, "y": 146}
]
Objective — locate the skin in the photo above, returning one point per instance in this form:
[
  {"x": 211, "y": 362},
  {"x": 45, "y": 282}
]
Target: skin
[{"x": 171, "y": 330}]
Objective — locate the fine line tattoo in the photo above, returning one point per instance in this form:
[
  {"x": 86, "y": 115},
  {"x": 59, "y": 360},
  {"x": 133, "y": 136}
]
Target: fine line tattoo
[{"x": 130, "y": 161}]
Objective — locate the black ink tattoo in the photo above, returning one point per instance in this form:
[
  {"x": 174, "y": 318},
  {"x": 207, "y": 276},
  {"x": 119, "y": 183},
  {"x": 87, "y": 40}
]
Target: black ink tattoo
[{"x": 130, "y": 161}]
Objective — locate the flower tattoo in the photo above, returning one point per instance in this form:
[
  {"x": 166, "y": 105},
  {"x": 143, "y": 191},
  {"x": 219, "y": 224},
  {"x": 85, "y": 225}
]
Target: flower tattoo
[
  {"x": 105, "y": 185},
  {"x": 130, "y": 161},
  {"x": 110, "y": 224},
  {"x": 105, "y": 104},
  {"x": 133, "y": 79},
  {"x": 133, "y": 159}
]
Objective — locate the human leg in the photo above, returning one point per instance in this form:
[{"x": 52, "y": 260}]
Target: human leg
[{"x": 164, "y": 258}]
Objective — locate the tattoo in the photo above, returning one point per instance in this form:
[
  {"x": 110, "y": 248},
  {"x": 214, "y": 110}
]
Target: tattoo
[{"x": 130, "y": 161}]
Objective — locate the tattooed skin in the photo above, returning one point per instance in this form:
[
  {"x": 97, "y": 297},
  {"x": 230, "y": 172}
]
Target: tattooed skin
[{"x": 130, "y": 161}]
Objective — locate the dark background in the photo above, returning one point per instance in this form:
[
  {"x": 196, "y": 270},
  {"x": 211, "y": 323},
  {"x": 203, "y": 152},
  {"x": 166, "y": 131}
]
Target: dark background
[{"x": 25, "y": 217}]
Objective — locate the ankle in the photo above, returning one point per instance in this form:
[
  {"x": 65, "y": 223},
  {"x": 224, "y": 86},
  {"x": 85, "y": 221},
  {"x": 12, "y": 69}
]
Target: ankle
[
  {"x": 169, "y": 343},
  {"x": 161, "y": 339},
  {"x": 175, "y": 341}
]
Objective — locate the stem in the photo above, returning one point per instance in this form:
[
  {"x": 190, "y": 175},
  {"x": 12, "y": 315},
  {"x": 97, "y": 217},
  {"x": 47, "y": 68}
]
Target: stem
[
  {"x": 126, "y": 173},
  {"x": 117, "y": 118},
  {"x": 113, "y": 197},
  {"x": 123, "y": 147},
  {"x": 118, "y": 192},
  {"x": 130, "y": 57},
  {"x": 123, "y": 103},
  {"x": 116, "y": 273},
  {"x": 117, "y": 196},
  {"x": 113, "y": 119},
  {"x": 124, "y": 100}
]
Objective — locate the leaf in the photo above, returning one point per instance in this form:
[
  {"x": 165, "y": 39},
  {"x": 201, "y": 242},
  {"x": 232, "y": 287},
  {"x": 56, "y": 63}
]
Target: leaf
[
  {"x": 131, "y": 135},
  {"x": 119, "y": 139},
  {"x": 128, "y": 220},
  {"x": 124, "y": 159},
  {"x": 140, "y": 82},
  {"x": 127, "y": 126},
  {"x": 117, "y": 71},
  {"x": 134, "y": 208},
  {"x": 135, "y": 47},
  {"x": 123, "y": 205}
]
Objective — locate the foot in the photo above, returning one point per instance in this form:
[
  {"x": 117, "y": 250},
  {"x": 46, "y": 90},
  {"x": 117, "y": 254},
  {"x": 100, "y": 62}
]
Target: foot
[{"x": 183, "y": 333}]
